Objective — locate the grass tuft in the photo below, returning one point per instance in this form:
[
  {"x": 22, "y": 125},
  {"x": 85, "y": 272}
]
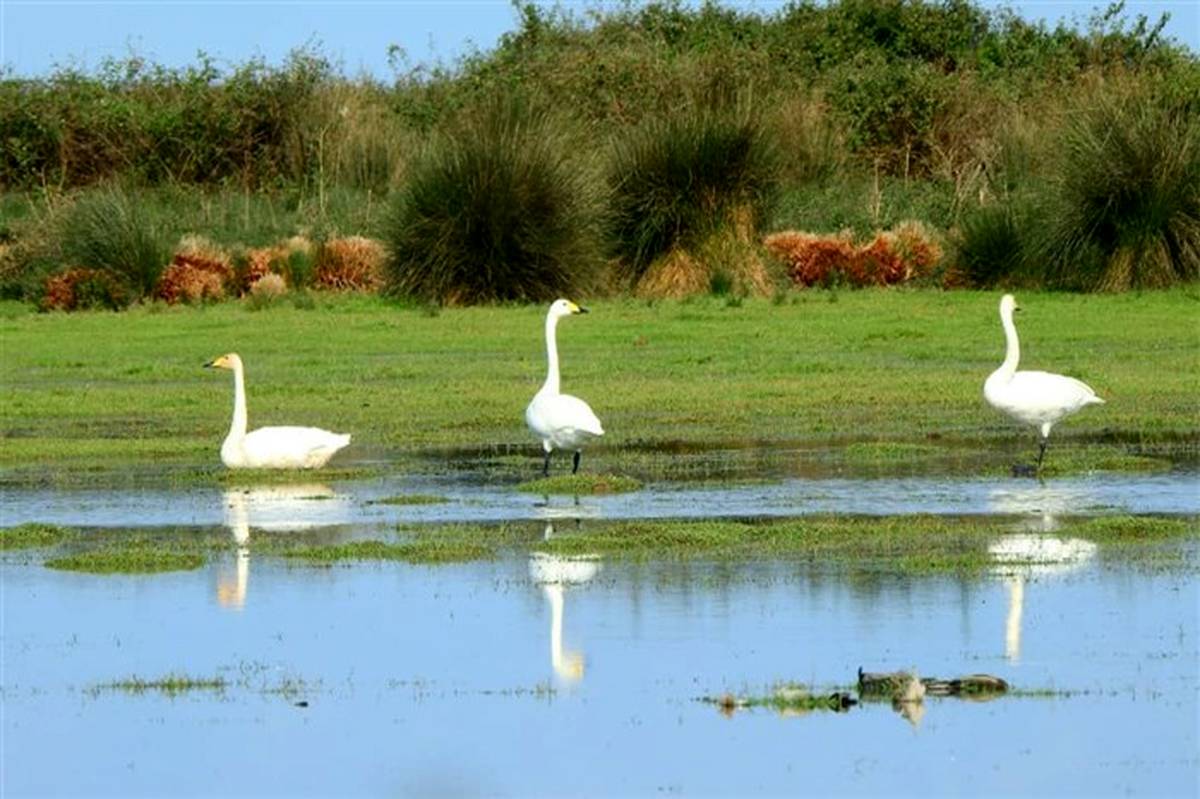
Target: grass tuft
[
  {"x": 676, "y": 180},
  {"x": 581, "y": 484},
  {"x": 424, "y": 551},
  {"x": 410, "y": 499},
  {"x": 1128, "y": 196},
  {"x": 110, "y": 230},
  {"x": 499, "y": 211},
  {"x": 32, "y": 535},
  {"x": 138, "y": 559}
]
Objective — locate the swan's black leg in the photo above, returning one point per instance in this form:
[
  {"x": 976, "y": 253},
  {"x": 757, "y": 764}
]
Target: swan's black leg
[
  {"x": 575, "y": 468},
  {"x": 546, "y": 465},
  {"x": 1041, "y": 453}
]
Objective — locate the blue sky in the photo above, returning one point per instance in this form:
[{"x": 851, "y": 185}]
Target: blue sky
[{"x": 37, "y": 34}]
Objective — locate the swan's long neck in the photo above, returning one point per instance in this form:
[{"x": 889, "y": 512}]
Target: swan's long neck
[
  {"x": 551, "y": 386},
  {"x": 1013, "y": 354},
  {"x": 238, "y": 428}
]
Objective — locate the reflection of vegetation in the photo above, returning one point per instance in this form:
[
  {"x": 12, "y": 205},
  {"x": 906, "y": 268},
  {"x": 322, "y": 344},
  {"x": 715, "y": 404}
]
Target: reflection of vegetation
[
  {"x": 28, "y": 536},
  {"x": 581, "y": 484}
]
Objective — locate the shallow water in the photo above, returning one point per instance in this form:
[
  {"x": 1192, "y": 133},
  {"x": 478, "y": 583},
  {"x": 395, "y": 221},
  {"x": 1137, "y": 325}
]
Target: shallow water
[
  {"x": 454, "y": 680},
  {"x": 542, "y": 675},
  {"x": 357, "y": 502}
]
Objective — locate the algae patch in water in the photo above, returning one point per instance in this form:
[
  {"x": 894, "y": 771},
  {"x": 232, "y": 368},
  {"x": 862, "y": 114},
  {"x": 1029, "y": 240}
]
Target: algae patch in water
[
  {"x": 582, "y": 484},
  {"x": 32, "y": 535}
]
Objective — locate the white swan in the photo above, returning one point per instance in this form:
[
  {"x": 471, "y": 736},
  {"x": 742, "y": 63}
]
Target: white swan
[
  {"x": 560, "y": 420},
  {"x": 271, "y": 447},
  {"x": 1035, "y": 398}
]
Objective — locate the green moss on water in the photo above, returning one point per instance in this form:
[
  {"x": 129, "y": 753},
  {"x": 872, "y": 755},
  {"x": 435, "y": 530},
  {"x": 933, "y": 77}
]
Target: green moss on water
[
  {"x": 32, "y": 535},
  {"x": 582, "y": 484},
  {"x": 138, "y": 559}
]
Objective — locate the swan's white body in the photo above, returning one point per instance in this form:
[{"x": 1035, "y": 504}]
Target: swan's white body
[
  {"x": 271, "y": 447},
  {"x": 560, "y": 420},
  {"x": 1039, "y": 399}
]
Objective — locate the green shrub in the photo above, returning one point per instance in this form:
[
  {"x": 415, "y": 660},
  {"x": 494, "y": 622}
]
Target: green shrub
[
  {"x": 111, "y": 230},
  {"x": 991, "y": 244},
  {"x": 497, "y": 210},
  {"x": 889, "y": 109},
  {"x": 1125, "y": 212},
  {"x": 674, "y": 180}
]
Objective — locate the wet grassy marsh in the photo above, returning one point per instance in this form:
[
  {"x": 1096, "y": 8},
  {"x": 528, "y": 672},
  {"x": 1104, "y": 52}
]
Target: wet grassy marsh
[
  {"x": 95, "y": 397},
  {"x": 912, "y": 545}
]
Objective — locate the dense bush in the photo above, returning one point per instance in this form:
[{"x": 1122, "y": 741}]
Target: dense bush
[
  {"x": 1126, "y": 208},
  {"x": 498, "y": 210},
  {"x": 111, "y": 230},
  {"x": 673, "y": 181},
  {"x": 992, "y": 246}
]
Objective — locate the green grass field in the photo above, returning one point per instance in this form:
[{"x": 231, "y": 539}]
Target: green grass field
[{"x": 875, "y": 376}]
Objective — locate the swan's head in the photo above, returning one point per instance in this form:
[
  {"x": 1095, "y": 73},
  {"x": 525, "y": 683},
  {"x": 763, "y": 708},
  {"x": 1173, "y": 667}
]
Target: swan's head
[
  {"x": 565, "y": 308},
  {"x": 1008, "y": 304},
  {"x": 227, "y": 361}
]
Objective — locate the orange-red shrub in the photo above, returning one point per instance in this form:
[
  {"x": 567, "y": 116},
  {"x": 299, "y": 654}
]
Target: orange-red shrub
[
  {"x": 192, "y": 277},
  {"x": 890, "y": 257},
  {"x": 354, "y": 263},
  {"x": 80, "y": 288}
]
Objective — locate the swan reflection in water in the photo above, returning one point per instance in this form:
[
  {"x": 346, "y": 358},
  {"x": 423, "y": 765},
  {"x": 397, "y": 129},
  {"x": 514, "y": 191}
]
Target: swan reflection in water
[
  {"x": 554, "y": 573},
  {"x": 1035, "y": 553},
  {"x": 275, "y": 509}
]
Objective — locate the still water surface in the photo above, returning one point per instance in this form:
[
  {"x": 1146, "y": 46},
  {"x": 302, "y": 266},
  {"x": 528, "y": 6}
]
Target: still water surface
[{"x": 541, "y": 675}]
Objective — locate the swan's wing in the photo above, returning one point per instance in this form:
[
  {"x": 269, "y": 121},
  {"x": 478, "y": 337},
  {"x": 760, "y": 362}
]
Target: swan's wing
[
  {"x": 295, "y": 447},
  {"x": 551, "y": 414},
  {"x": 1048, "y": 391}
]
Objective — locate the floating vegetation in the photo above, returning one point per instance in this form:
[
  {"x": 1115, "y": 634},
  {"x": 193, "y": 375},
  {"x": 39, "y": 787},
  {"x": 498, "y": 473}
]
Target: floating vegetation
[
  {"x": 423, "y": 551},
  {"x": 410, "y": 499},
  {"x": 138, "y": 559},
  {"x": 30, "y": 536},
  {"x": 171, "y": 685},
  {"x": 789, "y": 699},
  {"x": 582, "y": 484}
]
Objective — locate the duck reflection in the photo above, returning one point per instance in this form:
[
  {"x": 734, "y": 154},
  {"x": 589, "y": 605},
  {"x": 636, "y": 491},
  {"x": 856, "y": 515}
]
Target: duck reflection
[
  {"x": 272, "y": 508},
  {"x": 555, "y": 573},
  {"x": 1035, "y": 553}
]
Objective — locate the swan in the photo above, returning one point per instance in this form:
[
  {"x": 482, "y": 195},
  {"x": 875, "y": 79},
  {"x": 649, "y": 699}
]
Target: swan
[
  {"x": 271, "y": 447},
  {"x": 560, "y": 420},
  {"x": 1035, "y": 398}
]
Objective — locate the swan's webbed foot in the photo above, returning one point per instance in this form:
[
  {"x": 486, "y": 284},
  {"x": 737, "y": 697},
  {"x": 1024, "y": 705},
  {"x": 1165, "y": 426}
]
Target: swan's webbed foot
[
  {"x": 1024, "y": 470},
  {"x": 575, "y": 467}
]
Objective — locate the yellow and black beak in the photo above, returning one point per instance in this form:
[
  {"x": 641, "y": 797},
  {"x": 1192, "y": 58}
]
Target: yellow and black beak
[{"x": 578, "y": 308}]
